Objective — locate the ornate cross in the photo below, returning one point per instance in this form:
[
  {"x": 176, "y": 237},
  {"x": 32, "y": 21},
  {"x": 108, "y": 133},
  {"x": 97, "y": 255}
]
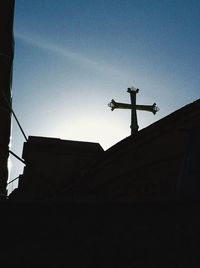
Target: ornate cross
[{"x": 134, "y": 107}]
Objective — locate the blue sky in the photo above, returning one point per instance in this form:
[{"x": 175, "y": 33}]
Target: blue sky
[{"x": 72, "y": 57}]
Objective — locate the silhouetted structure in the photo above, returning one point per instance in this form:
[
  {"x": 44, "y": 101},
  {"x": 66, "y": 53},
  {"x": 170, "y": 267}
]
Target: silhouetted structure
[
  {"x": 6, "y": 63},
  {"x": 158, "y": 162},
  {"x": 133, "y": 107},
  {"x": 54, "y": 166}
]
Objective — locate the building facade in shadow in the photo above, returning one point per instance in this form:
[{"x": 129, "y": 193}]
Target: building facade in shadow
[{"x": 159, "y": 162}]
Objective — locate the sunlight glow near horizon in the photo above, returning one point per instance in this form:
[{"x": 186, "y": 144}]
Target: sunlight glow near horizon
[{"x": 92, "y": 129}]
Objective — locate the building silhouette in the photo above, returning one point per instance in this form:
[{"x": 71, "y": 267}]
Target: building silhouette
[
  {"x": 159, "y": 162},
  {"x": 54, "y": 216},
  {"x": 134, "y": 205}
]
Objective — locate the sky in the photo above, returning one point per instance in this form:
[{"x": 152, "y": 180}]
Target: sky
[{"x": 73, "y": 56}]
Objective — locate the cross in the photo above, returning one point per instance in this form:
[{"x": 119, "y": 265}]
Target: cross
[{"x": 134, "y": 107}]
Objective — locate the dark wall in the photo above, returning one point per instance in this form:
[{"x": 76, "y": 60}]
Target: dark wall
[
  {"x": 61, "y": 235},
  {"x": 150, "y": 164},
  {"x": 6, "y": 61},
  {"x": 53, "y": 164}
]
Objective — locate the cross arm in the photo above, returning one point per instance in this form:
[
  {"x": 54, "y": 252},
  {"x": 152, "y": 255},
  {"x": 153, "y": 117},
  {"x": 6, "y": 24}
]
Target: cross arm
[
  {"x": 117, "y": 105},
  {"x": 149, "y": 108}
]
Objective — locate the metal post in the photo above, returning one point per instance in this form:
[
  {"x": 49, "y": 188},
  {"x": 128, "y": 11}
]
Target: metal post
[
  {"x": 6, "y": 64},
  {"x": 134, "y": 123}
]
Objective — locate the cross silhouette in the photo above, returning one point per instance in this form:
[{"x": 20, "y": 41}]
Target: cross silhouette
[{"x": 134, "y": 107}]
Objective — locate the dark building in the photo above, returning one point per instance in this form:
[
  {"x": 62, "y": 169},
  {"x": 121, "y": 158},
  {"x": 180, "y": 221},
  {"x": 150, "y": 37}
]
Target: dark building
[
  {"x": 54, "y": 166},
  {"x": 6, "y": 66},
  {"x": 159, "y": 162}
]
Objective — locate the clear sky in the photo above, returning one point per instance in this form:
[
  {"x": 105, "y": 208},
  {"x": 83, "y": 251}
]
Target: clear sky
[{"x": 73, "y": 56}]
